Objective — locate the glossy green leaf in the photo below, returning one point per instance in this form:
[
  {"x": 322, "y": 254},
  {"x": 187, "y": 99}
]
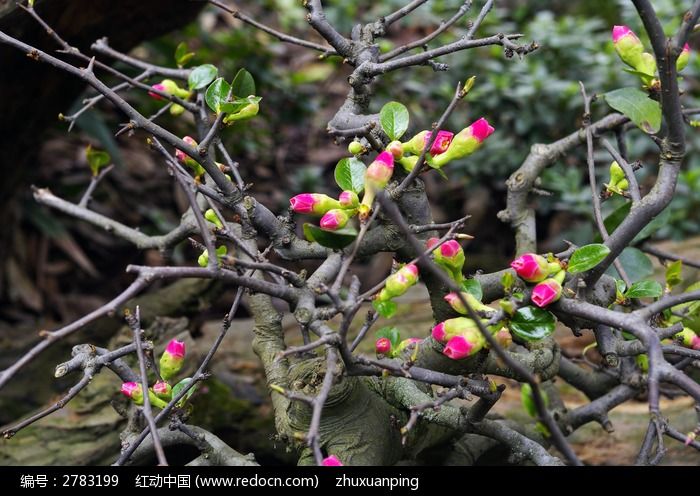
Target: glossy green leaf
[
  {"x": 587, "y": 257},
  {"x": 216, "y": 94},
  {"x": 201, "y": 76},
  {"x": 394, "y": 119},
  {"x": 673, "y": 274},
  {"x": 532, "y": 323},
  {"x": 350, "y": 174},
  {"x": 644, "y": 289},
  {"x": 243, "y": 84},
  {"x": 96, "y": 159},
  {"x": 640, "y": 74},
  {"x": 636, "y": 104},
  {"x": 391, "y": 333},
  {"x": 635, "y": 263},
  {"x": 473, "y": 287},
  {"x": 330, "y": 239}
]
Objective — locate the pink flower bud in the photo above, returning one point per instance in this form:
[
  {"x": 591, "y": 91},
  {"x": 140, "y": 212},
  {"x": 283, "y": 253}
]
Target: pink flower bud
[
  {"x": 169, "y": 87},
  {"x": 157, "y": 87},
  {"x": 546, "y": 292},
  {"x": 382, "y": 346},
  {"x": 466, "y": 142},
  {"x": 504, "y": 338},
  {"x": 450, "y": 248},
  {"x": 531, "y": 267},
  {"x": 432, "y": 242},
  {"x": 334, "y": 219},
  {"x": 399, "y": 282},
  {"x": 348, "y": 199},
  {"x": 441, "y": 143},
  {"x": 450, "y": 257},
  {"x": 134, "y": 391},
  {"x": 444, "y": 331},
  {"x": 481, "y": 130},
  {"x": 689, "y": 438},
  {"x": 331, "y": 461},
  {"x": 454, "y": 301},
  {"x": 396, "y": 149},
  {"x": 620, "y": 31},
  {"x": 172, "y": 359},
  {"x": 438, "y": 333},
  {"x": 182, "y": 156},
  {"x": 379, "y": 172},
  {"x": 458, "y": 347},
  {"x": 688, "y": 338},
  {"x": 683, "y": 58},
  {"x": 313, "y": 203},
  {"x": 627, "y": 46},
  {"x": 176, "y": 348},
  {"x": 376, "y": 178},
  {"x": 162, "y": 390}
]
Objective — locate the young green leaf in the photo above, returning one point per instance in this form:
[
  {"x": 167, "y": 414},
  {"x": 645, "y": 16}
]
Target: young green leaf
[
  {"x": 394, "y": 120},
  {"x": 96, "y": 159},
  {"x": 330, "y": 239},
  {"x": 243, "y": 84},
  {"x": 507, "y": 281},
  {"x": 216, "y": 94},
  {"x": 644, "y": 289},
  {"x": 386, "y": 309},
  {"x": 673, "y": 274},
  {"x": 636, "y": 104},
  {"x": 180, "y": 386},
  {"x": 239, "y": 104},
  {"x": 473, "y": 287},
  {"x": 391, "y": 333},
  {"x": 350, "y": 174},
  {"x": 532, "y": 323},
  {"x": 201, "y": 76},
  {"x": 620, "y": 286},
  {"x": 587, "y": 257},
  {"x": 528, "y": 399},
  {"x": 182, "y": 55}
]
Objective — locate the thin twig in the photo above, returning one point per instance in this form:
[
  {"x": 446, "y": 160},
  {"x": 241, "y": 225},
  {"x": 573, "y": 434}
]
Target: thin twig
[
  {"x": 134, "y": 322},
  {"x": 326, "y": 50},
  {"x": 444, "y": 26},
  {"x": 597, "y": 210},
  {"x": 94, "y": 181}
]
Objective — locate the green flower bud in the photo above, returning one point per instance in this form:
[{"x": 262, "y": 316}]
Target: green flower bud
[
  {"x": 211, "y": 216},
  {"x": 415, "y": 145},
  {"x": 356, "y": 148}
]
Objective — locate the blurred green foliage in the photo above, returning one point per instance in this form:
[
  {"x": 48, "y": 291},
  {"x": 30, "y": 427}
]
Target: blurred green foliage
[{"x": 530, "y": 100}]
